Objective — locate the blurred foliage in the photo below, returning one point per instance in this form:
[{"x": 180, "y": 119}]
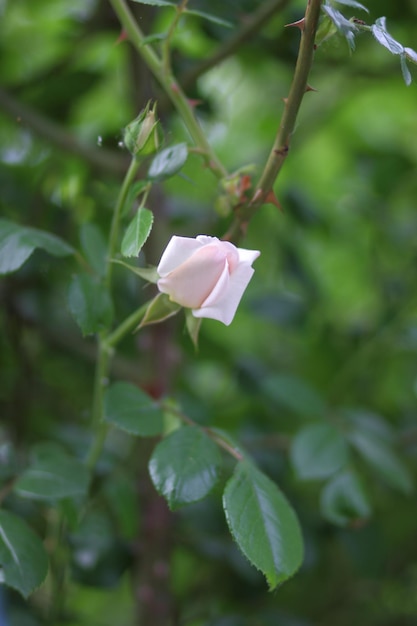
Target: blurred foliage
[{"x": 326, "y": 335}]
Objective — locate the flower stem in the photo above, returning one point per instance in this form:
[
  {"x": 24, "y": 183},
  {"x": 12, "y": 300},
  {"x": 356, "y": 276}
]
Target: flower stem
[
  {"x": 114, "y": 228},
  {"x": 163, "y": 74},
  {"x": 104, "y": 347}
]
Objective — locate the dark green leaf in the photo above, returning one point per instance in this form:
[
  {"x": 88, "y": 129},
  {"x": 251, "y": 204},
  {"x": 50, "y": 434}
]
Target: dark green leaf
[
  {"x": 17, "y": 243},
  {"x": 22, "y": 555},
  {"x": 263, "y": 523},
  {"x": 381, "y": 34},
  {"x": 132, "y": 410},
  {"x": 318, "y": 451},
  {"x": 168, "y": 162},
  {"x": 137, "y": 232},
  {"x": 384, "y": 461},
  {"x": 94, "y": 247},
  {"x": 344, "y": 500},
  {"x": 90, "y": 304},
  {"x": 184, "y": 466},
  {"x": 295, "y": 394},
  {"x": 53, "y": 474}
]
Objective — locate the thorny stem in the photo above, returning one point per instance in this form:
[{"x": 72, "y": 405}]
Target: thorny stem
[
  {"x": 280, "y": 148},
  {"x": 166, "y": 49},
  {"x": 169, "y": 84}
]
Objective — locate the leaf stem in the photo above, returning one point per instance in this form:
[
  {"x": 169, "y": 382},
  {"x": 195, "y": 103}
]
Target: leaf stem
[{"x": 169, "y": 84}]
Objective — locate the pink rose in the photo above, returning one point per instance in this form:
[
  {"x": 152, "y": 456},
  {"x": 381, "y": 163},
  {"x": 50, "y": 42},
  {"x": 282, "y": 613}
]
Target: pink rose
[{"x": 206, "y": 275}]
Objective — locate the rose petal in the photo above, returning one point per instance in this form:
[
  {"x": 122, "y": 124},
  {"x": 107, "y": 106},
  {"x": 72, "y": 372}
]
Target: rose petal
[
  {"x": 192, "y": 282},
  {"x": 224, "y": 308},
  {"x": 178, "y": 250}
]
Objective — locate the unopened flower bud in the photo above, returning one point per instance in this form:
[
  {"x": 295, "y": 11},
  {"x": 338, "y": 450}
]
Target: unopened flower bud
[{"x": 142, "y": 136}]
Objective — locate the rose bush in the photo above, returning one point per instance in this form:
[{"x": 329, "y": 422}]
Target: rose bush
[{"x": 206, "y": 275}]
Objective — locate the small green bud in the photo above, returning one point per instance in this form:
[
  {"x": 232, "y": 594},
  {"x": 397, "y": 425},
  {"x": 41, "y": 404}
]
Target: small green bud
[{"x": 142, "y": 136}]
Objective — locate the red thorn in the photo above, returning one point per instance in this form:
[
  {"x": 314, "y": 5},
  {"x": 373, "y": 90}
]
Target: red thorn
[
  {"x": 272, "y": 199},
  {"x": 194, "y": 103},
  {"x": 122, "y": 37},
  {"x": 310, "y": 88},
  {"x": 174, "y": 87},
  {"x": 298, "y": 24}
]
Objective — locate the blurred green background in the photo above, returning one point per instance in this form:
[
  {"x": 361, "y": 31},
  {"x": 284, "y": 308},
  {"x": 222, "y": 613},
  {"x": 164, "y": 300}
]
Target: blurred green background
[{"x": 326, "y": 332}]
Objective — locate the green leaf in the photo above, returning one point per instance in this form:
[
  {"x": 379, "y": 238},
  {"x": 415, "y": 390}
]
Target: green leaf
[
  {"x": 17, "y": 243},
  {"x": 159, "y": 310},
  {"x": 263, "y": 523},
  {"x": 184, "y": 466},
  {"x": 131, "y": 409},
  {"x": 147, "y": 273},
  {"x": 295, "y": 394},
  {"x": 22, "y": 555},
  {"x": 209, "y": 17},
  {"x": 344, "y": 26},
  {"x": 137, "y": 232},
  {"x": 318, "y": 451},
  {"x": 90, "y": 304},
  {"x": 168, "y": 162},
  {"x": 53, "y": 474},
  {"x": 382, "y": 458},
  {"x": 354, "y": 4},
  {"x": 344, "y": 500},
  {"x": 193, "y": 325},
  {"x": 94, "y": 247}
]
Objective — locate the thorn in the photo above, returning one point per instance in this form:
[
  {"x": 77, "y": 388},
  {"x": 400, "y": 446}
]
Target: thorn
[
  {"x": 298, "y": 24},
  {"x": 272, "y": 199},
  {"x": 174, "y": 87},
  {"x": 285, "y": 100},
  {"x": 310, "y": 88},
  {"x": 194, "y": 103},
  {"x": 122, "y": 37}
]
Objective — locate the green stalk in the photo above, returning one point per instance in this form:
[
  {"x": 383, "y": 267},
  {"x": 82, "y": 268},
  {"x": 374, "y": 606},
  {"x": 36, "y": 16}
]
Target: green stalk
[
  {"x": 104, "y": 350},
  {"x": 280, "y": 148},
  {"x": 114, "y": 228},
  {"x": 298, "y": 89},
  {"x": 169, "y": 84}
]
